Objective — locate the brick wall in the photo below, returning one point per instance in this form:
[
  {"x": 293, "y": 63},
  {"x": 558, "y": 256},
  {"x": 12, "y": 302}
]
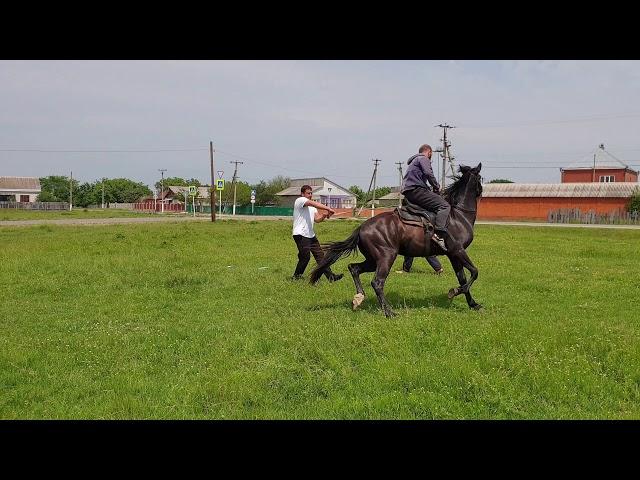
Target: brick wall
[{"x": 537, "y": 208}]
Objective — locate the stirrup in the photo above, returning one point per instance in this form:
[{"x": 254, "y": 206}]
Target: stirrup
[{"x": 439, "y": 241}]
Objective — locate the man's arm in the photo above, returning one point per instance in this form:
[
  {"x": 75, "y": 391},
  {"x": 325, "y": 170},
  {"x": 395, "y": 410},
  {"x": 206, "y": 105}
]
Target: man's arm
[
  {"x": 428, "y": 171},
  {"x": 320, "y": 216},
  {"x": 319, "y": 206}
]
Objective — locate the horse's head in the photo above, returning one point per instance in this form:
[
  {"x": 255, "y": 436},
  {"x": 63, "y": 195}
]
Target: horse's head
[{"x": 472, "y": 177}]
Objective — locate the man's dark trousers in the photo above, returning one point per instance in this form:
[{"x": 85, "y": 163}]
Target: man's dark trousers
[
  {"x": 307, "y": 246},
  {"x": 432, "y": 202}
]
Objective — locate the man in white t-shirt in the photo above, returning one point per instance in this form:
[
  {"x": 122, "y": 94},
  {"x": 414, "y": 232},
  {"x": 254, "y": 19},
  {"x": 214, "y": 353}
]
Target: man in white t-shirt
[{"x": 305, "y": 213}]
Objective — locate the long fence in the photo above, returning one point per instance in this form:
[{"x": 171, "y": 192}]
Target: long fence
[
  {"x": 574, "y": 215},
  {"x": 36, "y": 205}
]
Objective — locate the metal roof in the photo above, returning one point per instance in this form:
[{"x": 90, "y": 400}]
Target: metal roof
[
  {"x": 295, "y": 190},
  {"x": 20, "y": 183},
  {"x": 299, "y": 182},
  {"x": 203, "y": 192},
  {"x": 574, "y": 190},
  {"x": 391, "y": 196}
]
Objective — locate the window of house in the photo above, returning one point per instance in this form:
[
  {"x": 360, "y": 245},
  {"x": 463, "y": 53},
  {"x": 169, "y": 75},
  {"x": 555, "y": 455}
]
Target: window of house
[
  {"x": 24, "y": 198},
  {"x": 607, "y": 178}
]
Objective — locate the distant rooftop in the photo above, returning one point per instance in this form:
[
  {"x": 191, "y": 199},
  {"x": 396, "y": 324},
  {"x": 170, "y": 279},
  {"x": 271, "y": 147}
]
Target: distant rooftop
[
  {"x": 598, "y": 158},
  {"x": 602, "y": 189},
  {"x": 20, "y": 183}
]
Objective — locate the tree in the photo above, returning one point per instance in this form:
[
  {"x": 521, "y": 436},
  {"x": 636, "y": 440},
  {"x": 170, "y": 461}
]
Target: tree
[
  {"x": 266, "y": 191},
  {"x": 382, "y": 191},
  {"x": 501, "y": 180},
  {"x": 55, "y": 188},
  {"x": 634, "y": 204},
  {"x": 179, "y": 181},
  {"x": 123, "y": 190},
  {"x": 243, "y": 193},
  {"x": 358, "y": 192}
]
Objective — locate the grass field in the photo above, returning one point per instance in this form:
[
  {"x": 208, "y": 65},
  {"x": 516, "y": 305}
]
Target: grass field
[
  {"x": 18, "y": 214},
  {"x": 200, "y": 320}
]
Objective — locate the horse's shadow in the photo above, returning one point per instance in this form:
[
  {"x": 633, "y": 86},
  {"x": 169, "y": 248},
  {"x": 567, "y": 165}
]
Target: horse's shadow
[{"x": 398, "y": 302}]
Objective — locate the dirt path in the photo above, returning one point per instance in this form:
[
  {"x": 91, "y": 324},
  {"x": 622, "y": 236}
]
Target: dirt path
[
  {"x": 206, "y": 218},
  {"x": 126, "y": 220}
]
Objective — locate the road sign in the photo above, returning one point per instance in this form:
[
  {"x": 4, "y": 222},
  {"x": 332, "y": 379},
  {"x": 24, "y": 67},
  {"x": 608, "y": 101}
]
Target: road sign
[
  {"x": 192, "y": 190},
  {"x": 220, "y": 184},
  {"x": 253, "y": 197},
  {"x": 220, "y": 173},
  {"x": 253, "y": 193},
  {"x": 253, "y": 200}
]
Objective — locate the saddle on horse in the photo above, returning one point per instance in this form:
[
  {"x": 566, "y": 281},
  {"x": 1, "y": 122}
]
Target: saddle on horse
[{"x": 412, "y": 214}]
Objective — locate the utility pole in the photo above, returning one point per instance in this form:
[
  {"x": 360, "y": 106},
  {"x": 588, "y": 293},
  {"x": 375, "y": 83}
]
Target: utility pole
[
  {"x": 71, "y": 192},
  {"x": 213, "y": 191},
  {"x": 364, "y": 203},
  {"x": 103, "y": 192},
  {"x": 233, "y": 180},
  {"x": 446, "y": 157},
  {"x": 373, "y": 201},
  {"x": 399, "y": 184},
  {"x": 162, "y": 170}
]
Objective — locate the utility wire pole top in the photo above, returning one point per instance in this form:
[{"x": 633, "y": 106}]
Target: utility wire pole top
[{"x": 446, "y": 154}]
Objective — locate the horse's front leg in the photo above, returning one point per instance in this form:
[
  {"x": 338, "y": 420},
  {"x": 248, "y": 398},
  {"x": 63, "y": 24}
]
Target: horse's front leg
[{"x": 459, "y": 261}]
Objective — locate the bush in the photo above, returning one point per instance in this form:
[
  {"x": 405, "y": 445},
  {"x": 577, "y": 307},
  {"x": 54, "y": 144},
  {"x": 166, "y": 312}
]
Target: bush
[{"x": 634, "y": 204}]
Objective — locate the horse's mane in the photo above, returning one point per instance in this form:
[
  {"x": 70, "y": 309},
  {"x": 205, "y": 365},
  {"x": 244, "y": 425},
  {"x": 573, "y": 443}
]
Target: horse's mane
[{"x": 451, "y": 192}]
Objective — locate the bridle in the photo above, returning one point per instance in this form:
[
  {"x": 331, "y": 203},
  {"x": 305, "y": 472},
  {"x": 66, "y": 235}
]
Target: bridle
[
  {"x": 466, "y": 210},
  {"x": 462, "y": 209}
]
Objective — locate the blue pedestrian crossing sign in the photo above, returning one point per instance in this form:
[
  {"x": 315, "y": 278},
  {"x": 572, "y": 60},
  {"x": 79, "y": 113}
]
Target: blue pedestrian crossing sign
[{"x": 220, "y": 184}]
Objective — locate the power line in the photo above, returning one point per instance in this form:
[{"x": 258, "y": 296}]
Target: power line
[
  {"x": 38, "y": 150},
  {"x": 589, "y": 118}
]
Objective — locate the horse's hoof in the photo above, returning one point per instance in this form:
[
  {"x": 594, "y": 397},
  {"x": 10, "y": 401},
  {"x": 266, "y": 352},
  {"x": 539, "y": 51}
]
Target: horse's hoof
[
  {"x": 477, "y": 307},
  {"x": 452, "y": 293},
  {"x": 390, "y": 314},
  {"x": 358, "y": 298}
]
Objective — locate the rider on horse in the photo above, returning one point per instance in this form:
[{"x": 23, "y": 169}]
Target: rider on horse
[{"x": 416, "y": 191}]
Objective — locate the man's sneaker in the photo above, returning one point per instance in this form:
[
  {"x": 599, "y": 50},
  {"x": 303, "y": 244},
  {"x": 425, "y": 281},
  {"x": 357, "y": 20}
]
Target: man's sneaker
[
  {"x": 335, "y": 278},
  {"x": 297, "y": 277},
  {"x": 439, "y": 241}
]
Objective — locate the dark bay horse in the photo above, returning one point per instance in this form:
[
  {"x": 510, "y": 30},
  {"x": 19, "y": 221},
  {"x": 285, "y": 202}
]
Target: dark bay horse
[{"x": 381, "y": 238}]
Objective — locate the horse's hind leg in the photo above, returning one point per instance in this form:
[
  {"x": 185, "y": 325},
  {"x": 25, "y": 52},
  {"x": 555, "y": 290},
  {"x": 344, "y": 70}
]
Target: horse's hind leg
[
  {"x": 459, "y": 262},
  {"x": 382, "y": 272},
  {"x": 356, "y": 269}
]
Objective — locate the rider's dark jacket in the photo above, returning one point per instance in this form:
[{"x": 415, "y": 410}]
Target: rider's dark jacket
[{"x": 419, "y": 173}]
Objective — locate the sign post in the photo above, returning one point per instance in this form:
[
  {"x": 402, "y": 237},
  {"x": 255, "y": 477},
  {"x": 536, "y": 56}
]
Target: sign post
[
  {"x": 193, "y": 190},
  {"x": 253, "y": 200},
  {"x": 220, "y": 174},
  {"x": 220, "y": 188}
]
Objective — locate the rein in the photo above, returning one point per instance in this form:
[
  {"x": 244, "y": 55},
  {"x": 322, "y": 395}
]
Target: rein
[{"x": 458, "y": 207}]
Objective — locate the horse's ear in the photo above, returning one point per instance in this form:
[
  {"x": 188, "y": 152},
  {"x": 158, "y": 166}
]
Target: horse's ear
[
  {"x": 478, "y": 168},
  {"x": 464, "y": 169}
]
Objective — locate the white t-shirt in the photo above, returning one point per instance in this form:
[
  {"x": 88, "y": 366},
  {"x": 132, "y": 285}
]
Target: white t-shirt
[{"x": 303, "y": 218}]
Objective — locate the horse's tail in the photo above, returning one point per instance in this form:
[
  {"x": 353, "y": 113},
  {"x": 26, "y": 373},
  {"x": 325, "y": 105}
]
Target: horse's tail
[{"x": 333, "y": 251}]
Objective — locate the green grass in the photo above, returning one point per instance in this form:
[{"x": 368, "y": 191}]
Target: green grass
[
  {"x": 200, "y": 320},
  {"x": 17, "y": 214}
]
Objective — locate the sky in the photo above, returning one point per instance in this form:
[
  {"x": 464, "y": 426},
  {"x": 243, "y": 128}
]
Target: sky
[{"x": 522, "y": 119}]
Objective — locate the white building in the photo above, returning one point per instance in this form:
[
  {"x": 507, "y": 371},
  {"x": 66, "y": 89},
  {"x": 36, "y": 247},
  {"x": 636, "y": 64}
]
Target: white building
[
  {"x": 19, "y": 189},
  {"x": 323, "y": 191}
]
